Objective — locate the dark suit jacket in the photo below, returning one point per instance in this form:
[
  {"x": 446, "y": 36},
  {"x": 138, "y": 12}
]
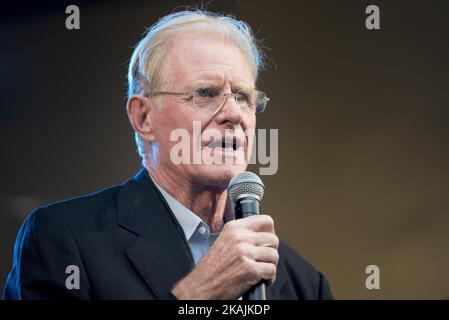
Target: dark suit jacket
[{"x": 127, "y": 245}]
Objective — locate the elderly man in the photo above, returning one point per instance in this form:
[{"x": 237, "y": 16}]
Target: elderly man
[{"x": 170, "y": 231}]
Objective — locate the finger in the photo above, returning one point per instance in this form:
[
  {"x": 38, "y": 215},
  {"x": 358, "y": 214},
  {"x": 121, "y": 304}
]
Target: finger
[
  {"x": 264, "y": 239},
  {"x": 265, "y": 254},
  {"x": 267, "y": 272},
  {"x": 257, "y": 222}
]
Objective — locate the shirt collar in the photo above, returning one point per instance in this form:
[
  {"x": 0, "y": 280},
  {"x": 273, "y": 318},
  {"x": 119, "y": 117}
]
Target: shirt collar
[{"x": 187, "y": 219}]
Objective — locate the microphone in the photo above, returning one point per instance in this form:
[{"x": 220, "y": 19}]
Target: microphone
[{"x": 246, "y": 191}]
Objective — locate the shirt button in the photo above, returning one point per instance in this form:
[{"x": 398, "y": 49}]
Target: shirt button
[{"x": 202, "y": 230}]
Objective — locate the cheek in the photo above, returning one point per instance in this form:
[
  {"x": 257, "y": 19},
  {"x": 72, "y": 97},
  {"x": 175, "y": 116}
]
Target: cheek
[
  {"x": 249, "y": 122},
  {"x": 165, "y": 121},
  {"x": 162, "y": 127},
  {"x": 253, "y": 120},
  {"x": 172, "y": 125}
]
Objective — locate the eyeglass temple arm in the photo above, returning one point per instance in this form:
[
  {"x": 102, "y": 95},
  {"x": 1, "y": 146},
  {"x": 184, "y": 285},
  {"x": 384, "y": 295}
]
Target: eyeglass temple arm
[{"x": 158, "y": 93}]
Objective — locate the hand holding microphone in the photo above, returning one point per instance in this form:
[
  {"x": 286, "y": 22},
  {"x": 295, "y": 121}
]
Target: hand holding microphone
[
  {"x": 246, "y": 191},
  {"x": 243, "y": 257}
]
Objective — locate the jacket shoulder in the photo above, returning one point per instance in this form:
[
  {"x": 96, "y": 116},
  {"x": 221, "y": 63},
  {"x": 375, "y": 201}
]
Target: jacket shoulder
[{"x": 80, "y": 212}]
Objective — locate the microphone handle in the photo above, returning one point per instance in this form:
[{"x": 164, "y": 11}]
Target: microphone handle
[
  {"x": 257, "y": 292},
  {"x": 246, "y": 207}
]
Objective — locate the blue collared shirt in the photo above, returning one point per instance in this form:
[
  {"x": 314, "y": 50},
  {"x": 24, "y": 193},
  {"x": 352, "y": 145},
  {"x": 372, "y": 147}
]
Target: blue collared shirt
[{"x": 198, "y": 234}]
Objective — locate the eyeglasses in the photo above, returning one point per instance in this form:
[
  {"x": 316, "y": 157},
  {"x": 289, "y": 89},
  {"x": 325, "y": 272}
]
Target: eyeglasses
[{"x": 212, "y": 98}]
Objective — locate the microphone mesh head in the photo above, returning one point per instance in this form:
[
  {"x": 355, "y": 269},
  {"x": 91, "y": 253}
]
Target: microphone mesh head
[{"x": 246, "y": 183}]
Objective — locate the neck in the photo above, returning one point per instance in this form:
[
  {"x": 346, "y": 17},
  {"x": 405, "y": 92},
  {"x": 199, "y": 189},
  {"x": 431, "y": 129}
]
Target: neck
[{"x": 208, "y": 204}]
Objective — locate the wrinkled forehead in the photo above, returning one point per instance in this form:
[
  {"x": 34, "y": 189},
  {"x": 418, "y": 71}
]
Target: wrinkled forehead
[{"x": 202, "y": 57}]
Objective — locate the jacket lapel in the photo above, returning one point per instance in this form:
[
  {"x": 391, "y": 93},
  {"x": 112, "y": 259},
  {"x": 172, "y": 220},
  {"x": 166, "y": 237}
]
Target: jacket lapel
[{"x": 160, "y": 254}]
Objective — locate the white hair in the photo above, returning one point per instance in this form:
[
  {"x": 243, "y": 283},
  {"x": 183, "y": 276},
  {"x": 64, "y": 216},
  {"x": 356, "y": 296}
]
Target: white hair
[{"x": 148, "y": 59}]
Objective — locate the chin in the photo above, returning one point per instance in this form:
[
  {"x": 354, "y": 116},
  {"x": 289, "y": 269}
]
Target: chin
[{"x": 218, "y": 175}]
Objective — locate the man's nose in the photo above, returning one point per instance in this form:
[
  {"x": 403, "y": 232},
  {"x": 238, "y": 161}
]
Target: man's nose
[{"x": 230, "y": 111}]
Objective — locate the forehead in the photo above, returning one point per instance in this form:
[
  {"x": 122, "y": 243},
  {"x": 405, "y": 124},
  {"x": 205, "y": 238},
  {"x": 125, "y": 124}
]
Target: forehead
[{"x": 199, "y": 57}]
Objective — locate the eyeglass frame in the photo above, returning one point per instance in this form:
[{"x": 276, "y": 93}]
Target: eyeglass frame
[{"x": 193, "y": 93}]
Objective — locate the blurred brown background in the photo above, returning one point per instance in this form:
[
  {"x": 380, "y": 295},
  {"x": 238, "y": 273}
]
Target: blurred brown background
[{"x": 363, "y": 119}]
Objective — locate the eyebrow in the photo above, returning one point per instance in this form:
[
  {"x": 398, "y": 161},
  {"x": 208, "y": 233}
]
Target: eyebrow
[
  {"x": 207, "y": 78},
  {"x": 219, "y": 83}
]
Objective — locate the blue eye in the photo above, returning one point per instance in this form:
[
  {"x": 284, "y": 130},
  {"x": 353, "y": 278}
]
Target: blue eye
[
  {"x": 207, "y": 92},
  {"x": 242, "y": 96}
]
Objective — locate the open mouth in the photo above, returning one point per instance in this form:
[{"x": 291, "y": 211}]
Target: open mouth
[{"x": 230, "y": 143}]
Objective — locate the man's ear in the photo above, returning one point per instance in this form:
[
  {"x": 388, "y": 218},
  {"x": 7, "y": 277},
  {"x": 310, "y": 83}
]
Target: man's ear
[{"x": 140, "y": 110}]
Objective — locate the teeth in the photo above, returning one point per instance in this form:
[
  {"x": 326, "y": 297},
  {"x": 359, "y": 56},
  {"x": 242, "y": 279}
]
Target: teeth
[{"x": 227, "y": 145}]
